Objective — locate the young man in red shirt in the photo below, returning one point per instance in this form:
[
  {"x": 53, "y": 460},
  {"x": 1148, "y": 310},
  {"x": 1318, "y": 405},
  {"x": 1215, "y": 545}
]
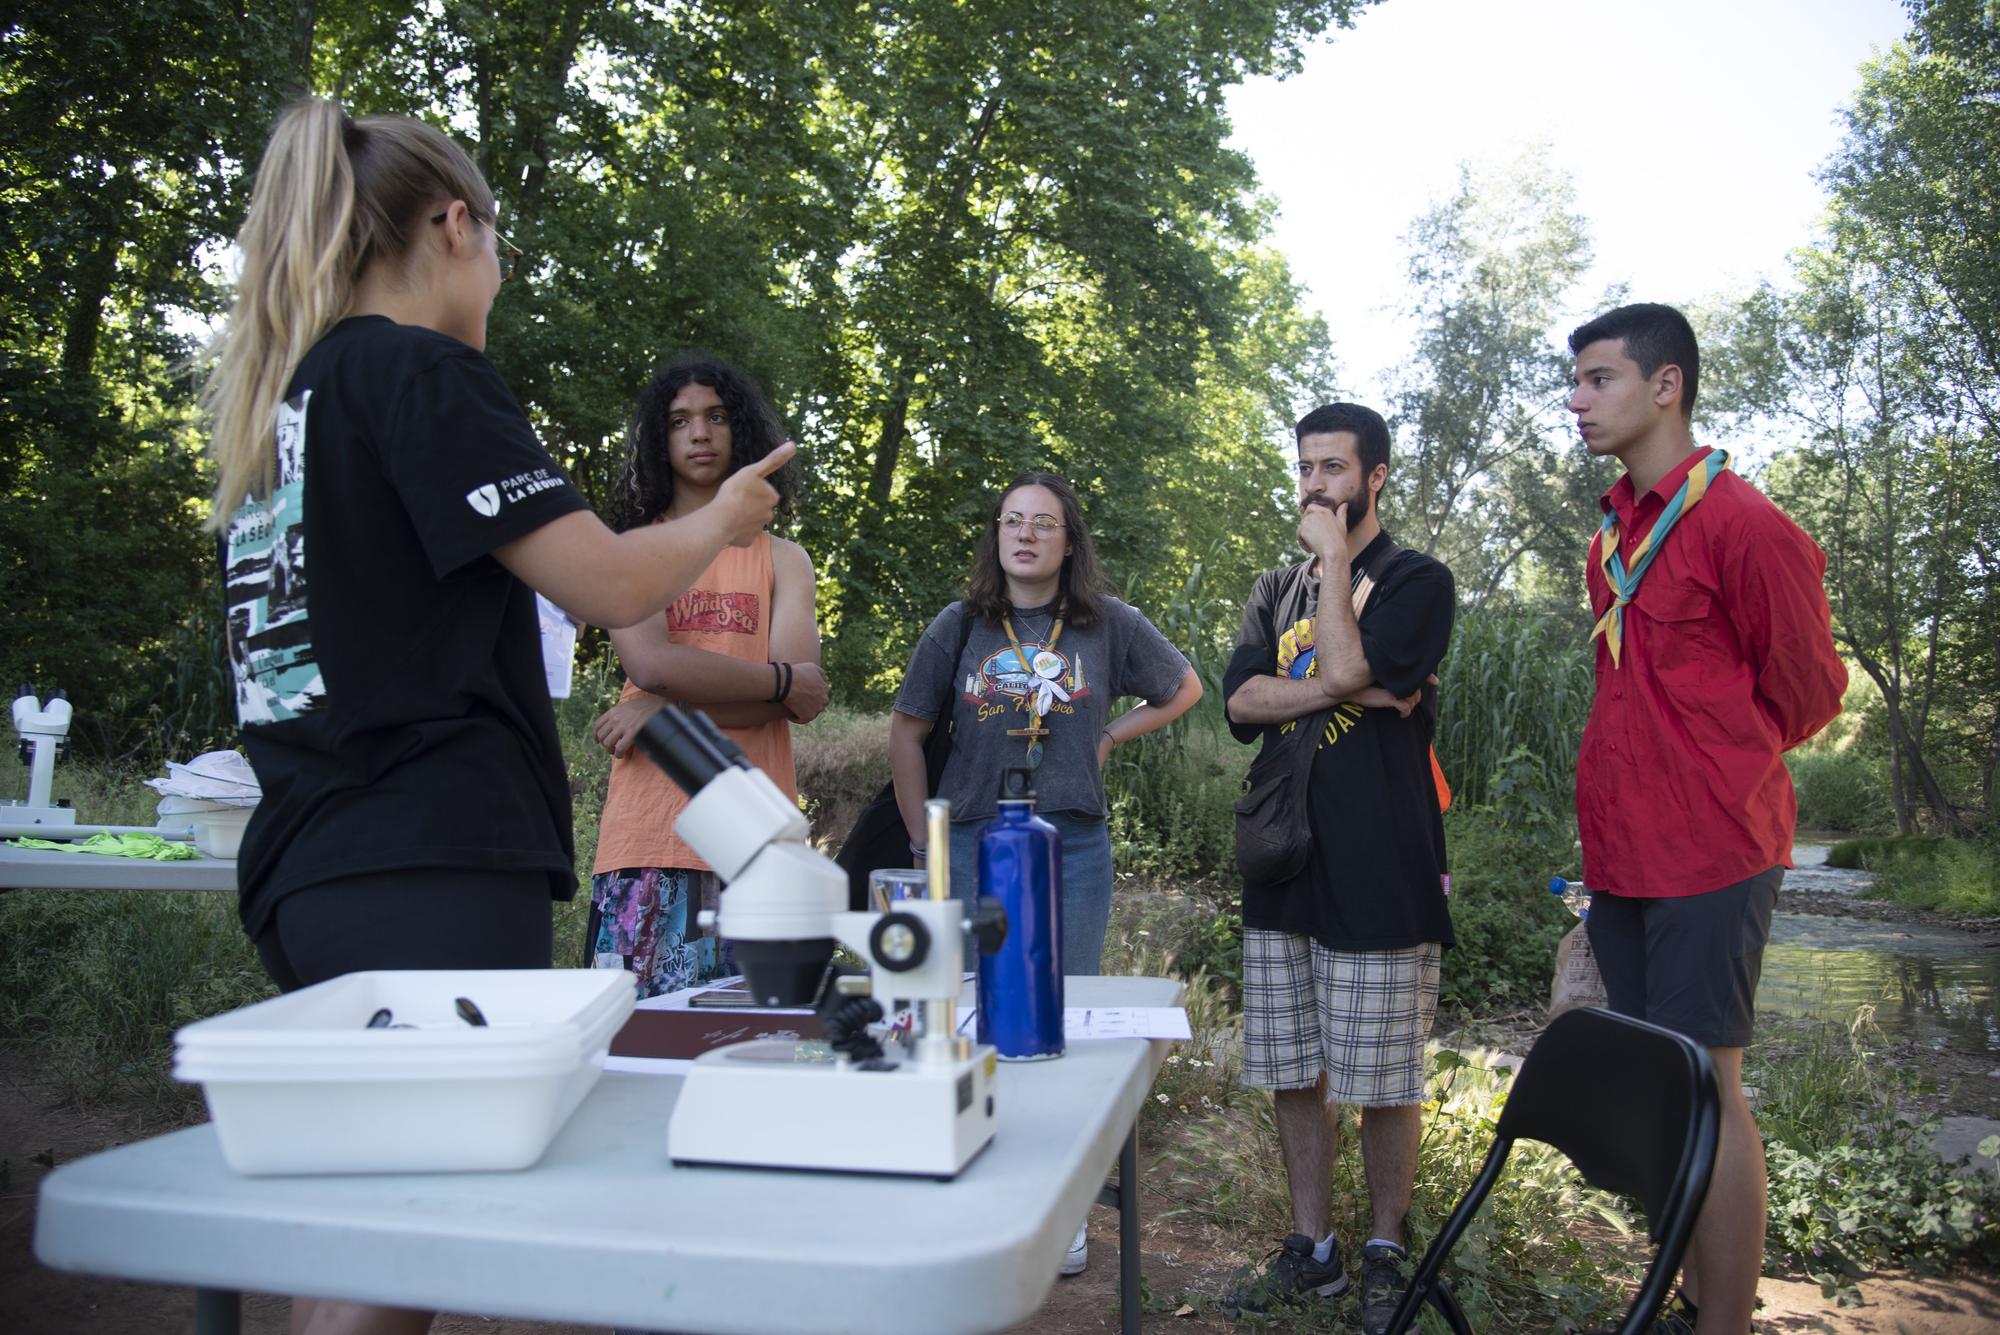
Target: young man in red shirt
[{"x": 1714, "y": 657}]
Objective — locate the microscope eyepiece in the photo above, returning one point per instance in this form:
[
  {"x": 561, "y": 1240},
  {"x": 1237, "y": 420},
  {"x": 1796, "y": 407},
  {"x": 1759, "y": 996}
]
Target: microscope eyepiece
[{"x": 671, "y": 741}]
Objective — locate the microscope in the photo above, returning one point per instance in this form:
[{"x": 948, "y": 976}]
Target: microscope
[
  {"x": 44, "y": 731},
  {"x": 918, "y": 1103}
]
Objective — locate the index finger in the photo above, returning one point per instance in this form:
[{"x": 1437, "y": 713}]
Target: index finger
[{"x": 775, "y": 460}]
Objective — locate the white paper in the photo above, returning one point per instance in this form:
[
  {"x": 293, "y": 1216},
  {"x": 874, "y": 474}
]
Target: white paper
[
  {"x": 214, "y": 776},
  {"x": 649, "y": 1065},
  {"x": 1082, "y": 1023},
  {"x": 558, "y": 647}
]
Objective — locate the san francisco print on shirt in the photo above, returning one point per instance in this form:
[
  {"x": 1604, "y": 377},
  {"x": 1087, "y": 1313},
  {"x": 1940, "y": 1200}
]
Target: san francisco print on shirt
[
  {"x": 1010, "y": 683},
  {"x": 264, "y": 557}
]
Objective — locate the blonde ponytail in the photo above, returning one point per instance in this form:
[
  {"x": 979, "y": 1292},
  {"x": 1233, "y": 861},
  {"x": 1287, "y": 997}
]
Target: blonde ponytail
[{"x": 331, "y": 196}]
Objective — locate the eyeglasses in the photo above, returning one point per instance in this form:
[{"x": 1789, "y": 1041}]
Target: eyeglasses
[
  {"x": 1042, "y": 524},
  {"x": 510, "y": 251}
]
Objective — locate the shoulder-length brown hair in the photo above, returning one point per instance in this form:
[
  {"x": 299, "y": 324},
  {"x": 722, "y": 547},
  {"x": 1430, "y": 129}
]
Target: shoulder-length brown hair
[{"x": 1082, "y": 582}]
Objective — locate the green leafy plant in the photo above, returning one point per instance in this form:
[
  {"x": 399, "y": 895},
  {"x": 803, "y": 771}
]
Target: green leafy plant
[
  {"x": 1840, "y": 790},
  {"x": 1854, "y": 1186}
]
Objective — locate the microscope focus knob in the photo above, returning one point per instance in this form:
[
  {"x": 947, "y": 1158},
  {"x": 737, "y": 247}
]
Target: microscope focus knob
[
  {"x": 899, "y": 942},
  {"x": 988, "y": 924}
]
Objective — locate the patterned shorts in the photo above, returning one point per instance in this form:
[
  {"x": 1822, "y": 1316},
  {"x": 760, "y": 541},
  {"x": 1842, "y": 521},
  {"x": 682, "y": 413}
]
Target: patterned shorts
[
  {"x": 1361, "y": 1017},
  {"x": 643, "y": 919}
]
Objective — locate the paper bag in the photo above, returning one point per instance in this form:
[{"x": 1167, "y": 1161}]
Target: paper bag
[{"x": 1577, "y": 982}]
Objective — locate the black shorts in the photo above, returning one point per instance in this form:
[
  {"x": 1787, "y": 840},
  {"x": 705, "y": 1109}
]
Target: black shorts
[
  {"x": 421, "y": 918},
  {"x": 1689, "y": 963}
]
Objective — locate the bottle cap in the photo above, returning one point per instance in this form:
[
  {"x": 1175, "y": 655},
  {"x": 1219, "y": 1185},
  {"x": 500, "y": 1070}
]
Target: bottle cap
[{"x": 1017, "y": 785}]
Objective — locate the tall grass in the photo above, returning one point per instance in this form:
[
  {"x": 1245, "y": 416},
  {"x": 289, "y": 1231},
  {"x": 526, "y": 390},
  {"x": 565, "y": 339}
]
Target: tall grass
[
  {"x": 1926, "y": 871},
  {"x": 1515, "y": 682},
  {"x": 97, "y": 982},
  {"x": 1526, "y": 1262},
  {"x": 1841, "y": 790}
]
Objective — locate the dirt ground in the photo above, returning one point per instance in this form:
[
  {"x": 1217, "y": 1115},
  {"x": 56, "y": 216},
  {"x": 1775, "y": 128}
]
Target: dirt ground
[{"x": 1185, "y": 1263}]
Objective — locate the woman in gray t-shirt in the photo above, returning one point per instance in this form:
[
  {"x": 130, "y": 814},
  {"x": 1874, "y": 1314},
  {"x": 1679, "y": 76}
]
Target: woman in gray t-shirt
[{"x": 1047, "y": 653}]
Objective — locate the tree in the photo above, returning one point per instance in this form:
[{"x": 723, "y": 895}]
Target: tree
[
  {"x": 1891, "y": 355},
  {"x": 1490, "y": 480},
  {"x": 126, "y": 125},
  {"x": 952, "y": 240}
]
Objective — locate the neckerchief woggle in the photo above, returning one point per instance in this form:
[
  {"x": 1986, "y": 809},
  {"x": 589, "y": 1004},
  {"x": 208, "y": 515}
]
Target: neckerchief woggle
[
  {"x": 1625, "y": 583},
  {"x": 1041, "y": 686}
]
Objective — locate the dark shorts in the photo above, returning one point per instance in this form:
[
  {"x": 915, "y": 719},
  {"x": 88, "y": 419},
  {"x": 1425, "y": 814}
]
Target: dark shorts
[
  {"x": 422, "y": 918},
  {"x": 1691, "y": 963}
]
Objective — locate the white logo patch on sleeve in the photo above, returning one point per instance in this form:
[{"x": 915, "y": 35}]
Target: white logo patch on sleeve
[{"x": 484, "y": 499}]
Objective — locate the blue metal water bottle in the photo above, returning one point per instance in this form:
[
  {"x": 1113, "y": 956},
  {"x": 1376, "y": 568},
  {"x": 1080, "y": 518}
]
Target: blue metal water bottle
[{"x": 1021, "y": 983}]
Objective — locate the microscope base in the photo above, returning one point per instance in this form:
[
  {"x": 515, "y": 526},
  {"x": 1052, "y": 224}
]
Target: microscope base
[
  {"x": 15, "y": 812},
  {"x": 768, "y": 1104}
]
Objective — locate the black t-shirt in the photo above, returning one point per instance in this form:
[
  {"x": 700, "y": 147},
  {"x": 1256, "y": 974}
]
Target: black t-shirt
[
  {"x": 1375, "y": 877},
  {"x": 388, "y": 670}
]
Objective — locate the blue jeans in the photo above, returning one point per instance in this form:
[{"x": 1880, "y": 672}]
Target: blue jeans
[{"x": 1086, "y": 882}]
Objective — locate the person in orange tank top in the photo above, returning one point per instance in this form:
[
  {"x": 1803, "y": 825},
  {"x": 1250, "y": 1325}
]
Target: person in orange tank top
[{"x": 741, "y": 645}]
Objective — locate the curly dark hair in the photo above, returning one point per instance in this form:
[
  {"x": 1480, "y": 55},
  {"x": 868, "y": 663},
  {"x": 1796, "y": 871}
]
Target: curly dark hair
[
  {"x": 645, "y": 484},
  {"x": 1082, "y": 581}
]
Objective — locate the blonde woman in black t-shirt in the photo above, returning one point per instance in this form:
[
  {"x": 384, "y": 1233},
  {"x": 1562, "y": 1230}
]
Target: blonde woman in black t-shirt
[{"x": 415, "y": 810}]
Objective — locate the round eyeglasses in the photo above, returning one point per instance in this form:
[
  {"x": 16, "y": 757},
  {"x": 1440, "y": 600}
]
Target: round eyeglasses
[{"x": 1043, "y": 525}]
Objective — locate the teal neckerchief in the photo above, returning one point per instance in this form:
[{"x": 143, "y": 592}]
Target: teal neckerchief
[{"x": 1625, "y": 584}]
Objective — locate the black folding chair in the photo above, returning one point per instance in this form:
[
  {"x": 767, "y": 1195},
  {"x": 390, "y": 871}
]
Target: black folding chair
[{"x": 1635, "y": 1108}]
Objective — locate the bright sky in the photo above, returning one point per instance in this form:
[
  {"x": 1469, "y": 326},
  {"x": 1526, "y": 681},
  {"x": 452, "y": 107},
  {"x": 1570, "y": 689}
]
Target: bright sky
[{"x": 1738, "y": 98}]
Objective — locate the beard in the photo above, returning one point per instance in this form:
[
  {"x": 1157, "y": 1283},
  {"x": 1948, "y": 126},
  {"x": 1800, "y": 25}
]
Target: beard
[{"x": 1357, "y": 507}]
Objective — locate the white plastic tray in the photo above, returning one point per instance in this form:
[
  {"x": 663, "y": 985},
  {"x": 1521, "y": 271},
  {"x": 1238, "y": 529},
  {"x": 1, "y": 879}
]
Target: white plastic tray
[{"x": 299, "y": 1084}]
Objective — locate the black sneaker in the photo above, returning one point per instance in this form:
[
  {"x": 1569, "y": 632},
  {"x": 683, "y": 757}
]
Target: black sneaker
[
  {"x": 1382, "y": 1285},
  {"x": 1290, "y": 1275}
]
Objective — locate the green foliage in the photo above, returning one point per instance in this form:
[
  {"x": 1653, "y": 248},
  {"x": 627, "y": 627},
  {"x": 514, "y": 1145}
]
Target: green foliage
[
  {"x": 1487, "y": 477},
  {"x": 1839, "y": 790},
  {"x": 1515, "y": 689},
  {"x": 1523, "y": 1262},
  {"x": 1882, "y": 363},
  {"x": 1212, "y": 945},
  {"x": 1199, "y": 1077},
  {"x": 1927, "y": 872},
  {"x": 127, "y": 125},
  {"x": 97, "y": 982},
  {"x": 1171, "y": 794},
  {"x": 1506, "y": 921},
  {"x": 953, "y": 242},
  {"x": 1876, "y": 852},
  {"x": 1853, "y": 1186}
]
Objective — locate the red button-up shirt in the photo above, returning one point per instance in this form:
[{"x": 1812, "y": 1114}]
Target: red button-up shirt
[{"x": 1728, "y": 662}]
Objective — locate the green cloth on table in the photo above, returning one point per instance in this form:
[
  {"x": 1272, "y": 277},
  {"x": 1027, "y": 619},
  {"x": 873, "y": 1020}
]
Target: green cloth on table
[{"x": 150, "y": 846}]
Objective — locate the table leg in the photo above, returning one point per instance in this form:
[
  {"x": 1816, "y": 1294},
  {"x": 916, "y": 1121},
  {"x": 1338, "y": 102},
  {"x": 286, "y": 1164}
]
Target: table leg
[
  {"x": 217, "y": 1312},
  {"x": 1125, "y": 1195}
]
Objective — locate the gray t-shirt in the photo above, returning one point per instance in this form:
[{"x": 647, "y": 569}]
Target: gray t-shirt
[{"x": 990, "y": 690}]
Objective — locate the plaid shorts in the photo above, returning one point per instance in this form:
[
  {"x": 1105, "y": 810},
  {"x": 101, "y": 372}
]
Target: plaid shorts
[{"x": 1361, "y": 1017}]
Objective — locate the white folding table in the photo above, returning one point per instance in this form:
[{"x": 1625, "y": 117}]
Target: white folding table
[
  {"x": 41, "y": 869},
  {"x": 605, "y": 1230}
]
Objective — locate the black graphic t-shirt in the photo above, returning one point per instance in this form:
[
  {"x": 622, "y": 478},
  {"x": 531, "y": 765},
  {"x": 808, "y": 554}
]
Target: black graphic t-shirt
[
  {"x": 388, "y": 670},
  {"x": 994, "y": 688},
  {"x": 1375, "y": 877}
]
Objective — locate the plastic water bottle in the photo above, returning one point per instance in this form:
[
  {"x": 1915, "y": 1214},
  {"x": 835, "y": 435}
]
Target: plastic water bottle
[
  {"x": 1575, "y": 896},
  {"x": 1021, "y": 984}
]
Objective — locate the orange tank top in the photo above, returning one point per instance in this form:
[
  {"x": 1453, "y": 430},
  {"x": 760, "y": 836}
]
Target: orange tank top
[{"x": 728, "y": 611}]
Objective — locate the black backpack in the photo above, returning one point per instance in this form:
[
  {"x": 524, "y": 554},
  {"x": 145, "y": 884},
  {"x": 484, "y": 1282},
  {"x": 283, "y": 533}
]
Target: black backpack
[{"x": 878, "y": 838}]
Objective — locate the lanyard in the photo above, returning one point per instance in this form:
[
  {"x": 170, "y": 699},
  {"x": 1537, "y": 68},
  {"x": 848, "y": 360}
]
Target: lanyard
[
  {"x": 1625, "y": 583},
  {"x": 1042, "y": 689}
]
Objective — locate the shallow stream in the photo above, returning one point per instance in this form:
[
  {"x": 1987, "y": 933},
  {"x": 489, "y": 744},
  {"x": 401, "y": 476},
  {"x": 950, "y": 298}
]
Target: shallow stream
[{"x": 1931, "y": 986}]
